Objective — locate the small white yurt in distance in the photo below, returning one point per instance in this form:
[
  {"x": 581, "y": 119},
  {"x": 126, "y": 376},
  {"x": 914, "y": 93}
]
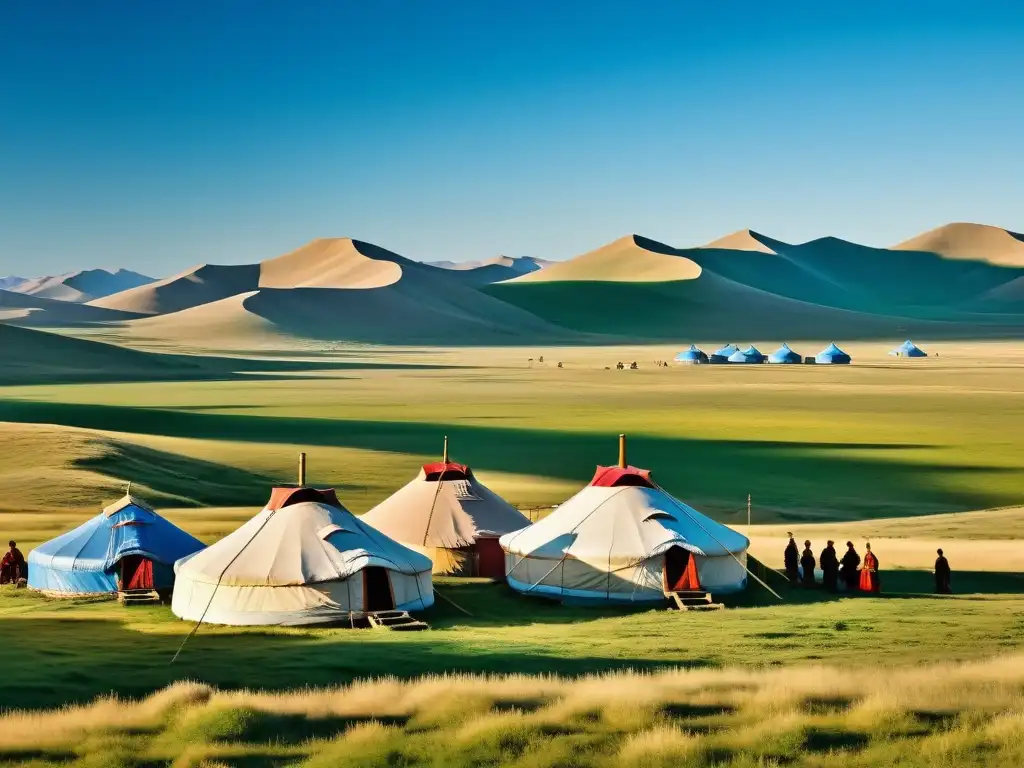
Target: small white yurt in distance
[
  {"x": 304, "y": 559},
  {"x": 452, "y": 518},
  {"x": 623, "y": 539}
]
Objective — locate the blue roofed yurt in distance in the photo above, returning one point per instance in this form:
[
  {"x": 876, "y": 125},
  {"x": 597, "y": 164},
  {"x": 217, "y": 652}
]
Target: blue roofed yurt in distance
[
  {"x": 692, "y": 356},
  {"x": 908, "y": 349},
  {"x": 722, "y": 355},
  {"x": 784, "y": 355},
  {"x": 126, "y": 546},
  {"x": 832, "y": 355},
  {"x": 749, "y": 355}
]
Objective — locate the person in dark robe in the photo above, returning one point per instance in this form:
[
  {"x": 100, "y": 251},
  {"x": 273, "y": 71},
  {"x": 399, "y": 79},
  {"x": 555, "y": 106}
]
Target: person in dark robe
[
  {"x": 942, "y": 575},
  {"x": 848, "y": 571},
  {"x": 808, "y": 563},
  {"x": 869, "y": 579},
  {"x": 829, "y": 567},
  {"x": 12, "y": 566},
  {"x": 791, "y": 558}
]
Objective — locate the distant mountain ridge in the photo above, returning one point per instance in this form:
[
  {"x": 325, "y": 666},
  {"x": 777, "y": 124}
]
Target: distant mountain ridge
[
  {"x": 956, "y": 280},
  {"x": 82, "y": 286}
]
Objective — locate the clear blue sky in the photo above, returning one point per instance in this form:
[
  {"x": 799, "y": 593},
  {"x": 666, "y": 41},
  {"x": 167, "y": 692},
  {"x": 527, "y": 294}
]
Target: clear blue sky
[{"x": 156, "y": 135}]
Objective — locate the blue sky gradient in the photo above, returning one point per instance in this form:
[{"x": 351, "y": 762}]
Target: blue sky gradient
[{"x": 160, "y": 135}]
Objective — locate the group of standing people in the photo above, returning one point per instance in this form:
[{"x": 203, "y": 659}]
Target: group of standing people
[{"x": 848, "y": 570}]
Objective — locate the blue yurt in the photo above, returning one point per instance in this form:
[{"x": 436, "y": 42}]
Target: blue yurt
[
  {"x": 749, "y": 355},
  {"x": 722, "y": 355},
  {"x": 125, "y": 547},
  {"x": 692, "y": 356},
  {"x": 908, "y": 349},
  {"x": 832, "y": 355},
  {"x": 784, "y": 355}
]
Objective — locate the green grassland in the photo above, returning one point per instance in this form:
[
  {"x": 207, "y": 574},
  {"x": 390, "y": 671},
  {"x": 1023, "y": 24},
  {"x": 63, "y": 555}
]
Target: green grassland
[{"x": 895, "y": 450}]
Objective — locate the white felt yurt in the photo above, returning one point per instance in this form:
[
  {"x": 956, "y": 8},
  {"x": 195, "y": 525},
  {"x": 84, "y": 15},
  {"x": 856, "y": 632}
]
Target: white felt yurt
[
  {"x": 450, "y": 516},
  {"x": 304, "y": 559},
  {"x": 624, "y": 539}
]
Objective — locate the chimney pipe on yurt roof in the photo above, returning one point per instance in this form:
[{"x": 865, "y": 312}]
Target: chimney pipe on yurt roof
[
  {"x": 302, "y": 469},
  {"x": 444, "y": 456},
  {"x": 622, "y": 451}
]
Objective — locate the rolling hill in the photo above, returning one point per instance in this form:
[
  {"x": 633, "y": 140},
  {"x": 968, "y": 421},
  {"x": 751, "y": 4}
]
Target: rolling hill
[
  {"x": 82, "y": 286},
  {"x": 329, "y": 289},
  {"x": 974, "y": 242}
]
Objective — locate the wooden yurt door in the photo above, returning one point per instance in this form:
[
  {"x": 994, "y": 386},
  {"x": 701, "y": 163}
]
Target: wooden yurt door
[
  {"x": 377, "y": 590},
  {"x": 490, "y": 558}
]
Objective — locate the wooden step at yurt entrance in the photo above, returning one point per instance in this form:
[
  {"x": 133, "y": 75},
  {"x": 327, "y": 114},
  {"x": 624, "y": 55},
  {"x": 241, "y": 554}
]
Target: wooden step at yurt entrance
[
  {"x": 399, "y": 621},
  {"x": 139, "y": 597},
  {"x": 692, "y": 601}
]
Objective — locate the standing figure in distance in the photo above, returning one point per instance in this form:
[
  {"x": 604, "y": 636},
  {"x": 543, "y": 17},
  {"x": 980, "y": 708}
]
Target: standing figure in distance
[
  {"x": 850, "y": 562},
  {"x": 791, "y": 558},
  {"x": 942, "y": 575},
  {"x": 808, "y": 563},
  {"x": 869, "y": 580},
  {"x": 12, "y": 566},
  {"x": 829, "y": 567}
]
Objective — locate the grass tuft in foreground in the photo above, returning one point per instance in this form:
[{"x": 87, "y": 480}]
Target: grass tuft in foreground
[{"x": 963, "y": 715}]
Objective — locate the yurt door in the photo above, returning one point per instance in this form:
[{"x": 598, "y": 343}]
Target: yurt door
[
  {"x": 490, "y": 558},
  {"x": 681, "y": 571},
  {"x": 377, "y": 590},
  {"x": 136, "y": 573}
]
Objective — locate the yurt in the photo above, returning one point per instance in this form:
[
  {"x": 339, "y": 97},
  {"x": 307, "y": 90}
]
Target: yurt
[
  {"x": 832, "y": 355},
  {"x": 722, "y": 355},
  {"x": 304, "y": 559},
  {"x": 784, "y": 356},
  {"x": 451, "y": 517},
  {"x": 623, "y": 539},
  {"x": 749, "y": 355},
  {"x": 908, "y": 349},
  {"x": 692, "y": 356},
  {"x": 125, "y": 547}
]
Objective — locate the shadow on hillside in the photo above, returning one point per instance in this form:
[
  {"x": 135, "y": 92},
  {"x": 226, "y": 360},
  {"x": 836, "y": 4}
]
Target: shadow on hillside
[
  {"x": 715, "y": 475},
  {"x": 50, "y": 662}
]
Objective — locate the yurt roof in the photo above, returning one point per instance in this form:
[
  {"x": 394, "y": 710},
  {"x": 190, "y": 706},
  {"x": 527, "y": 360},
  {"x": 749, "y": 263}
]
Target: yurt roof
[
  {"x": 450, "y": 511},
  {"x": 302, "y": 543}
]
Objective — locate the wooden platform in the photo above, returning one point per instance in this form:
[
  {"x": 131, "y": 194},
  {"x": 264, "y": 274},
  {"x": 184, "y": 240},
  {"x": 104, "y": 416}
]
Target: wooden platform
[
  {"x": 692, "y": 601},
  {"x": 399, "y": 621},
  {"x": 139, "y": 597}
]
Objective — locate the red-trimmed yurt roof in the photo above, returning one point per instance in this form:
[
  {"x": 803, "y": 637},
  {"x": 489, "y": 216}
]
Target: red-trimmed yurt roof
[
  {"x": 450, "y": 469},
  {"x": 286, "y": 496},
  {"x": 609, "y": 477}
]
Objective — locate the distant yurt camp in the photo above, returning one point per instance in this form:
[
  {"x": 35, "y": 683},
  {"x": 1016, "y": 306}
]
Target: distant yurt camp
[
  {"x": 749, "y": 355},
  {"x": 722, "y": 355},
  {"x": 451, "y": 517},
  {"x": 623, "y": 539},
  {"x": 692, "y": 356},
  {"x": 304, "y": 559},
  {"x": 908, "y": 349},
  {"x": 126, "y": 547},
  {"x": 784, "y": 356},
  {"x": 832, "y": 355}
]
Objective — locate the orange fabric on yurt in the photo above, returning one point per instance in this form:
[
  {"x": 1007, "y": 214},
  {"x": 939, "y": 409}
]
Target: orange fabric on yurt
[
  {"x": 609, "y": 477},
  {"x": 286, "y": 496}
]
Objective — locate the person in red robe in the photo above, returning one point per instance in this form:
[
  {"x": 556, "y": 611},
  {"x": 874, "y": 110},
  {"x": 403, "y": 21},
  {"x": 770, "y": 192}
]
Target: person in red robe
[
  {"x": 12, "y": 566},
  {"x": 869, "y": 581}
]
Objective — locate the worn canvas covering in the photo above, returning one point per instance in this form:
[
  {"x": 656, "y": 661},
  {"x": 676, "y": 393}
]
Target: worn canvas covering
[
  {"x": 693, "y": 356},
  {"x": 84, "y": 561},
  {"x": 301, "y": 563},
  {"x": 442, "y": 513},
  {"x": 908, "y": 349},
  {"x": 608, "y": 544},
  {"x": 832, "y": 355},
  {"x": 785, "y": 356}
]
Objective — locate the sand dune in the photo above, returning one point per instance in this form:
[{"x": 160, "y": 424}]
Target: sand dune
[
  {"x": 200, "y": 285},
  {"x": 38, "y": 311},
  {"x": 976, "y": 242},
  {"x": 82, "y": 286},
  {"x": 333, "y": 263},
  {"x": 630, "y": 259},
  {"x": 10, "y": 282},
  {"x": 745, "y": 240}
]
